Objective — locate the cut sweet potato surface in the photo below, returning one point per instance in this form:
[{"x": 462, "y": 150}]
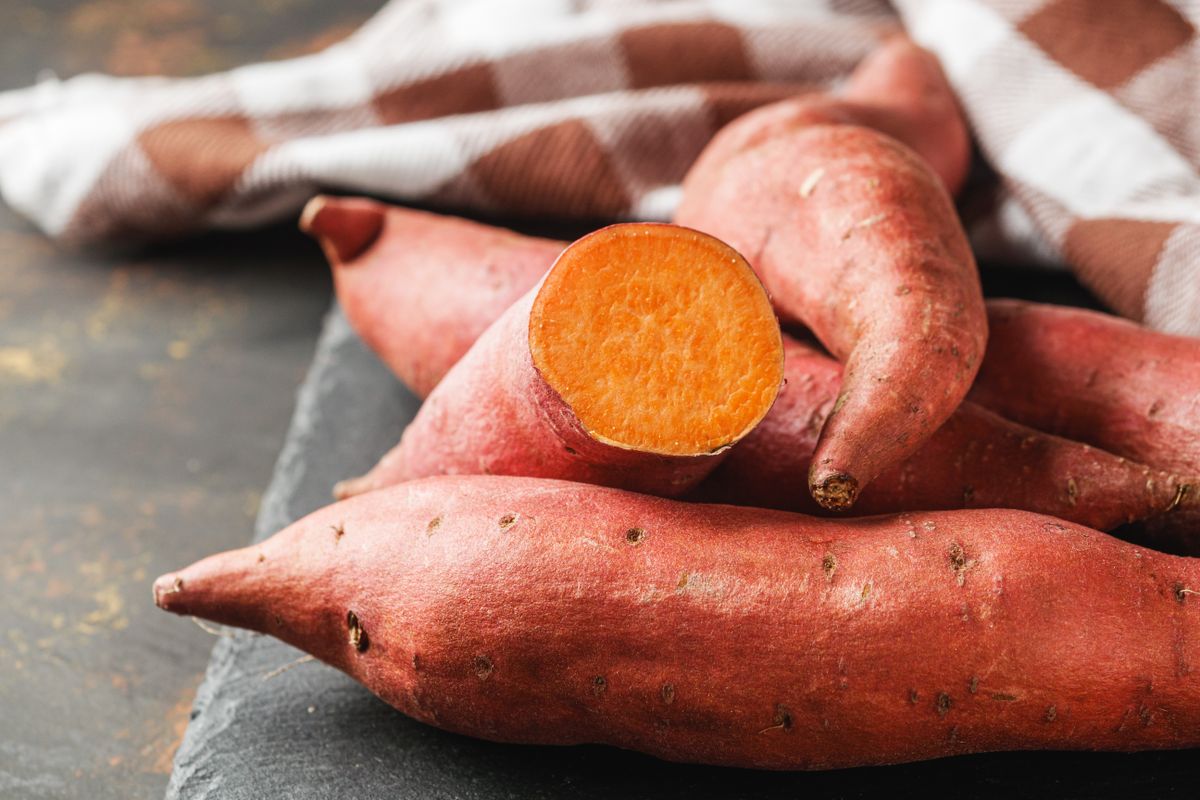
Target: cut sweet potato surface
[{"x": 659, "y": 338}]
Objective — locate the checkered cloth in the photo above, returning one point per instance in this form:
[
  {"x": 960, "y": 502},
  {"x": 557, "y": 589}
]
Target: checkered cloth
[{"x": 1086, "y": 109}]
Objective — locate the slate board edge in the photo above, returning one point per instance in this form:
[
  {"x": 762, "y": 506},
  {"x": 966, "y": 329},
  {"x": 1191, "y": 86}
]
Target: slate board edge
[{"x": 274, "y": 513}]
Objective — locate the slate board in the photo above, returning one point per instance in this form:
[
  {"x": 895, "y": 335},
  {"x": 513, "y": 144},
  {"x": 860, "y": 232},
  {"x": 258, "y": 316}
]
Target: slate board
[{"x": 311, "y": 732}]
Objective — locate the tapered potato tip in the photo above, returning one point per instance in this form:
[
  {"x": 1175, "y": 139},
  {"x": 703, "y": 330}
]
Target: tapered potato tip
[
  {"x": 165, "y": 589},
  {"x": 345, "y": 227},
  {"x": 836, "y": 492},
  {"x": 230, "y": 588}
]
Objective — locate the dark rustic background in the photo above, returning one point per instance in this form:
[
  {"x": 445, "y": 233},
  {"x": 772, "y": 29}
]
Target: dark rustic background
[{"x": 143, "y": 399}]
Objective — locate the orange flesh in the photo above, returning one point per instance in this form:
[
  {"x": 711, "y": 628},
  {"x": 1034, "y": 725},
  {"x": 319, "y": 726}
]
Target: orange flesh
[{"x": 659, "y": 338}]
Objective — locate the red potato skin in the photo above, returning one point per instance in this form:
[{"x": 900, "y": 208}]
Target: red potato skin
[
  {"x": 544, "y": 612},
  {"x": 420, "y": 288},
  {"x": 977, "y": 459},
  {"x": 854, "y": 237},
  {"x": 493, "y": 414},
  {"x": 1095, "y": 378}
]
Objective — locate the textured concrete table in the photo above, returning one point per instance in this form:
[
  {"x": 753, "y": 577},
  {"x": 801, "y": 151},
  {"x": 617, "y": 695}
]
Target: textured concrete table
[{"x": 144, "y": 396}]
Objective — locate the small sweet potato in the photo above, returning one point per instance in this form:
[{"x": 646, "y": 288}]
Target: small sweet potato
[
  {"x": 977, "y": 459},
  {"x": 1095, "y": 378},
  {"x": 420, "y": 288},
  {"x": 535, "y": 611},
  {"x": 643, "y": 354}
]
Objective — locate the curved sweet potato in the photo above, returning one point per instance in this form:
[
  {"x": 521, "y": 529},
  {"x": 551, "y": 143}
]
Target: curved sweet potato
[
  {"x": 855, "y": 237},
  {"x": 644, "y": 353},
  {"x": 420, "y": 288},
  {"x": 546, "y": 612},
  {"x": 977, "y": 459}
]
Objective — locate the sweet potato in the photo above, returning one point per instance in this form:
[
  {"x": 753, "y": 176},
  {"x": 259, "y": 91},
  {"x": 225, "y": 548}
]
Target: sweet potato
[
  {"x": 977, "y": 459},
  {"x": 854, "y": 236},
  {"x": 644, "y": 353},
  {"x": 1096, "y": 378},
  {"x": 535, "y": 611},
  {"x": 420, "y": 288}
]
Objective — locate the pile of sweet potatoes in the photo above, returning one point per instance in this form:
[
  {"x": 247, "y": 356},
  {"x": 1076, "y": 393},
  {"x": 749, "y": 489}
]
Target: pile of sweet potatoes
[{"x": 590, "y": 531}]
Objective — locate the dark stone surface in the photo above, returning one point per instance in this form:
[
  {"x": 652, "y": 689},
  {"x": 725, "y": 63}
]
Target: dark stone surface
[
  {"x": 144, "y": 396},
  {"x": 310, "y": 732},
  {"x": 143, "y": 399},
  {"x": 163, "y": 37}
]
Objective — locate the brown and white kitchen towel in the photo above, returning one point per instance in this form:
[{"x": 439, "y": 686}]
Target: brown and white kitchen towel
[{"x": 1089, "y": 113}]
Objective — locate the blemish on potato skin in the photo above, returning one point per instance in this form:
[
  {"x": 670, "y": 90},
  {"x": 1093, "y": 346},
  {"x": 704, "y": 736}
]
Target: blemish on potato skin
[
  {"x": 599, "y": 685},
  {"x": 1002, "y": 697},
  {"x": 339, "y": 531},
  {"x": 635, "y": 536},
  {"x": 973, "y": 684},
  {"x": 1051, "y": 713},
  {"x": 943, "y": 704},
  {"x": 483, "y": 667},
  {"x": 668, "y": 693},
  {"x": 356, "y": 635},
  {"x": 783, "y": 717},
  {"x": 959, "y": 562},
  {"x": 1181, "y": 592},
  {"x": 433, "y": 525},
  {"x": 508, "y": 520},
  {"x": 782, "y": 721},
  {"x": 829, "y": 566},
  {"x": 810, "y": 183},
  {"x": 1072, "y": 491},
  {"x": 1181, "y": 492}
]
